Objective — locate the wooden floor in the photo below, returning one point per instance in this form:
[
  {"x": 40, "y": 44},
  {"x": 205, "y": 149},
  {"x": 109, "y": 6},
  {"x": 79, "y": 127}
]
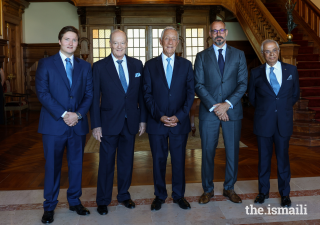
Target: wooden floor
[{"x": 22, "y": 161}]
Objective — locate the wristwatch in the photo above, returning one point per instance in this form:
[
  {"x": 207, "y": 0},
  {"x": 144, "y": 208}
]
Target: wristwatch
[{"x": 79, "y": 115}]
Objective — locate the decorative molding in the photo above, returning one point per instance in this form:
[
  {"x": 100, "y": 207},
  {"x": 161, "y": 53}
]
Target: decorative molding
[
  {"x": 118, "y": 16},
  {"x": 83, "y": 17},
  {"x": 179, "y": 12},
  {"x": 213, "y": 12}
]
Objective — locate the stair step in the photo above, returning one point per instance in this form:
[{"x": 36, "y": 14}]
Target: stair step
[
  {"x": 308, "y": 57},
  {"x": 317, "y": 110},
  {"x": 297, "y": 37},
  {"x": 309, "y": 91},
  {"x": 274, "y": 9},
  {"x": 314, "y": 101},
  {"x": 308, "y": 65},
  {"x": 302, "y": 43},
  {"x": 299, "y": 138},
  {"x": 280, "y": 18},
  {"x": 309, "y": 127},
  {"x": 267, "y": 5},
  {"x": 306, "y": 115},
  {"x": 278, "y": 14},
  {"x": 295, "y": 31},
  {"x": 305, "y": 50},
  {"x": 309, "y": 81},
  {"x": 301, "y": 104},
  {"x": 309, "y": 73}
]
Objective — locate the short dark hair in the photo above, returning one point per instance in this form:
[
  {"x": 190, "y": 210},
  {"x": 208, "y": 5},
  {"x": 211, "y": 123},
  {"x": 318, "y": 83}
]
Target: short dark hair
[{"x": 67, "y": 29}]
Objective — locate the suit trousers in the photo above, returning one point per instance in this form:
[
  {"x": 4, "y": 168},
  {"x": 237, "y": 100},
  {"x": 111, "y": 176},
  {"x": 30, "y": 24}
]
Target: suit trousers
[
  {"x": 53, "y": 152},
  {"x": 160, "y": 148},
  {"x": 209, "y": 133},
  {"x": 124, "y": 142},
  {"x": 265, "y": 146}
]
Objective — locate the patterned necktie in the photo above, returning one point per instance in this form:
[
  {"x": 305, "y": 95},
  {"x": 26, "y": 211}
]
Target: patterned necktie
[
  {"x": 274, "y": 82},
  {"x": 221, "y": 61},
  {"x": 122, "y": 76},
  {"x": 69, "y": 70},
  {"x": 169, "y": 72}
]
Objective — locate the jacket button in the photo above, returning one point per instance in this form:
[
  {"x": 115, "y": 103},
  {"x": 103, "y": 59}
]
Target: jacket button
[
  {"x": 220, "y": 94},
  {"x": 170, "y": 95},
  {"x": 221, "y": 81},
  {"x": 277, "y": 98},
  {"x": 70, "y": 97},
  {"x": 69, "y": 110},
  {"x": 276, "y": 110},
  {"x": 126, "y": 97}
]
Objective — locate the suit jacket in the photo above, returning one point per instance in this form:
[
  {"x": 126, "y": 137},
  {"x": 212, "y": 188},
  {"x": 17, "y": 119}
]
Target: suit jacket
[
  {"x": 160, "y": 100},
  {"x": 271, "y": 111},
  {"x": 212, "y": 87},
  {"x": 115, "y": 103},
  {"x": 56, "y": 96}
]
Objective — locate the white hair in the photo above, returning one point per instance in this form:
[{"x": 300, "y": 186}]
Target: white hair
[
  {"x": 268, "y": 41},
  {"x": 168, "y": 28}
]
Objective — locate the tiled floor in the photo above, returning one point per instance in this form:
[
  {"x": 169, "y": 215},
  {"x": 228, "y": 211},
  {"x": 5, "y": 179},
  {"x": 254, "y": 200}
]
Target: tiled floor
[{"x": 25, "y": 207}]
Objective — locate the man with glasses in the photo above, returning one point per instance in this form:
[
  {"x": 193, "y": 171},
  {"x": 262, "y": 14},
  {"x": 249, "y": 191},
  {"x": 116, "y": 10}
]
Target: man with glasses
[
  {"x": 220, "y": 82},
  {"x": 273, "y": 90}
]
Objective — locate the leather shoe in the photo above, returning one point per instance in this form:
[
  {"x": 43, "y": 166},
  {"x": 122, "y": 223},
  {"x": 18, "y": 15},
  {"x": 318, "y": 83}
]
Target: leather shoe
[
  {"x": 205, "y": 197},
  {"x": 80, "y": 209},
  {"x": 232, "y": 196},
  {"x": 129, "y": 204},
  {"x": 260, "y": 198},
  {"x": 183, "y": 204},
  {"x": 102, "y": 209},
  {"x": 47, "y": 217},
  {"x": 285, "y": 201},
  {"x": 156, "y": 204}
]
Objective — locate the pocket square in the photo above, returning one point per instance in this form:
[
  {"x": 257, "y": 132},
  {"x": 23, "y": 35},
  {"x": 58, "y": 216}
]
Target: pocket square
[
  {"x": 138, "y": 75},
  {"x": 290, "y": 77}
]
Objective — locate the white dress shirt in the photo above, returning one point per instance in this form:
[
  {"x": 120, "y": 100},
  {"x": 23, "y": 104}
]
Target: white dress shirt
[
  {"x": 124, "y": 66},
  {"x": 165, "y": 62},
  {"x": 277, "y": 71}
]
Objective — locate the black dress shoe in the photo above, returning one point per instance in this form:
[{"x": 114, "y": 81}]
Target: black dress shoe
[
  {"x": 47, "y": 217},
  {"x": 285, "y": 201},
  {"x": 80, "y": 209},
  {"x": 183, "y": 204},
  {"x": 102, "y": 209},
  {"x": 156, "y": 204},
  {"x": 129, "y": 204},
  {"x": 260, "y": 198}
]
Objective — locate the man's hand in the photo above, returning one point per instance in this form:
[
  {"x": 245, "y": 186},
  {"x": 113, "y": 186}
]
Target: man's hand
[
  {"x": 142, "y": 128},
  {"x": 224, "y": 117},
  {"x": 167, "y": 121},
  {"x": 97, "y": 133},
  {"x": 71, "y": 119},
  {"x": 221, "y": 109}
]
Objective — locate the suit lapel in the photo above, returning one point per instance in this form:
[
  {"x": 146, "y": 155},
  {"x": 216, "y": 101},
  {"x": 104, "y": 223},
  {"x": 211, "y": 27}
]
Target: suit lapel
[
  {"x": 175, "y": 72},
  {"x": 264, "y": 77},
  {"x": 161, "y": 71},
  {"x": 213, "y": 61},
  {"x": 76, "y": 72},
  {"x": 285, "y": 76},
  {"x": 131, "y": 72},
  {"x": 227, "y": 59},
  {"x": 111, "y": 70},
  {"x": 62, "y": 72}
]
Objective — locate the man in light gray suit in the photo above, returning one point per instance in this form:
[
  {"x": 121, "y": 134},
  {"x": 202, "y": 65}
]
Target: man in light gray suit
[{"x": 220, "y": 82}]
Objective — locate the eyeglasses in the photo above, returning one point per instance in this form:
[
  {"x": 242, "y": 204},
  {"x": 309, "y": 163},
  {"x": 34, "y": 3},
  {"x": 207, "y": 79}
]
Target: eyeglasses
[
  {"x": 222, "y": 31},
  {"x": 274, "y": 51}
]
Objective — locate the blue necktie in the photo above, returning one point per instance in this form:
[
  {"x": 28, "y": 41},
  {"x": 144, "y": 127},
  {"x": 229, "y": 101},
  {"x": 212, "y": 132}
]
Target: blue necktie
[
  {"x": 69, "y": 70},
  {"x": 169, "y": 72},
  {"x": 122, "y": 76},
  {"x": 274, "y": 82},
  {"x": 221, "y": 61}
]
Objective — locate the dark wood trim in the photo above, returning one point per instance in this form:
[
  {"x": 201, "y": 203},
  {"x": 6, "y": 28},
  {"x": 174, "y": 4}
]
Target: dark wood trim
[{"x": 313, "y": 7}]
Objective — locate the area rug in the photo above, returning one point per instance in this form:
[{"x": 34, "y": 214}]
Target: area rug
[{"x": 142, "y": 143}]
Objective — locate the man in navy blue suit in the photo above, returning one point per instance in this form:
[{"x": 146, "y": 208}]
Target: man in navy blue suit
[
  {"x": 117, "y": 79},
  {"x": 64, "y": 88},
  {"x": 168, "y": 93},
  {"x": 273, "y": 91}
]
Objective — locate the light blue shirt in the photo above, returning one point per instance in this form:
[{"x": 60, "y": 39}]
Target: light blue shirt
[
  {"x": 124, "y": 66},
  {"x": 165, "y": 62},
  {"x": 216, "y": 50},
  {"x": 277, "y": 71}
]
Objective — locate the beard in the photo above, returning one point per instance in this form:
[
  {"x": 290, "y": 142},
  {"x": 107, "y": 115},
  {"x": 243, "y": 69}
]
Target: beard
[{"x": 219, "y": 42}]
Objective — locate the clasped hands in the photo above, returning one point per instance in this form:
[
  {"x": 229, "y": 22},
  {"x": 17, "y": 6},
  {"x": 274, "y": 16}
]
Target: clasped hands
[
  {"x": 71, "y": 119},
  {"x": 169, "y": 121},
  {"x": 221, "y": 111}
]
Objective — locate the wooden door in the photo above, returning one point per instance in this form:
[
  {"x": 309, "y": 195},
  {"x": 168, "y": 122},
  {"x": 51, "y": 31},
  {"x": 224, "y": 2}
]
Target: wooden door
[{"x": 10, "y": 62}]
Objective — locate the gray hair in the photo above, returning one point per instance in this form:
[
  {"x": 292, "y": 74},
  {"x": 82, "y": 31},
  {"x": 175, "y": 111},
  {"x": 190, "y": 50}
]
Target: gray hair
[
  {"x": 169, "y": 28},
  {"x": 268, "y": 41},
  {"x": 118, "y": 30}
]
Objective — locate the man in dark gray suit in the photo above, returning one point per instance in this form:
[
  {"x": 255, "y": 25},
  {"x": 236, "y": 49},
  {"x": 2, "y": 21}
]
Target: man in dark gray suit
[{"x": 220, "y": 82}]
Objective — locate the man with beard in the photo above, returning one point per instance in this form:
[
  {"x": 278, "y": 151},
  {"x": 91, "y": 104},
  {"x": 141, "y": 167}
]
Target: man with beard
[{"x": 220, "y": 82}]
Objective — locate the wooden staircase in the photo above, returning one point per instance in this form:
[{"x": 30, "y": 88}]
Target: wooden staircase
[{"x": 34, "y": 103}]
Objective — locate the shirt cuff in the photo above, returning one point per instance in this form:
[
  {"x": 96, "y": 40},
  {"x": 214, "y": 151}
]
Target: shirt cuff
[
  {"x": 231, "y": 106},
  {"x": 64, "y": 113},
  {"x": 211, "y": 109}
]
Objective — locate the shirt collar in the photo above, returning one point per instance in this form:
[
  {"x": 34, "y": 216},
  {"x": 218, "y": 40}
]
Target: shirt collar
[
  {"x": 276, "y": 66},
  {"x": 216, "y": 48},
  {"x": 63, "y": 57},
  {"x": 164, "y": 57},
  {"x": 124, "y": 59}
]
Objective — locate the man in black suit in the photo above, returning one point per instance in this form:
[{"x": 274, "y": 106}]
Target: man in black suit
[{"x": 273, "y": 91}]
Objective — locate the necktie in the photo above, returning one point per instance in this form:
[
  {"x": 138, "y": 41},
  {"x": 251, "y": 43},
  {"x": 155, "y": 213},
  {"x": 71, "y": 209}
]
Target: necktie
[
  {"x": 169, "y": 72},
  {"x": 221, "y": 61},
  {"x": 274, "y": 82},
  {"x": 122, "y": 76},
  {"x": 69, "y": 70}
]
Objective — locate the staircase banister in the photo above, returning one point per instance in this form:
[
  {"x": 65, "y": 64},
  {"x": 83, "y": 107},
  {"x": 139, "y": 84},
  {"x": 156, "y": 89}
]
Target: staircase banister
[
  {"x": 272, "y": 21},
  {"x": 314, "y": 8}
]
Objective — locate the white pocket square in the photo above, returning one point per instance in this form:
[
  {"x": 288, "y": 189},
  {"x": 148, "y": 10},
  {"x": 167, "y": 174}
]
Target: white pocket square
[
  {"x": 137, "y": 75},
  {"x": 290, "y": 77}
]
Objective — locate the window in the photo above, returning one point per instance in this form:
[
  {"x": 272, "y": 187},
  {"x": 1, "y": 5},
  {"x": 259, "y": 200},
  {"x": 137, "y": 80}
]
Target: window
[
  {"x": 156, "y": 47},
  {"x": 101, "y": 47},
  {"x": 194, "y": 43},
  {"x": 137, "y": 44}
]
